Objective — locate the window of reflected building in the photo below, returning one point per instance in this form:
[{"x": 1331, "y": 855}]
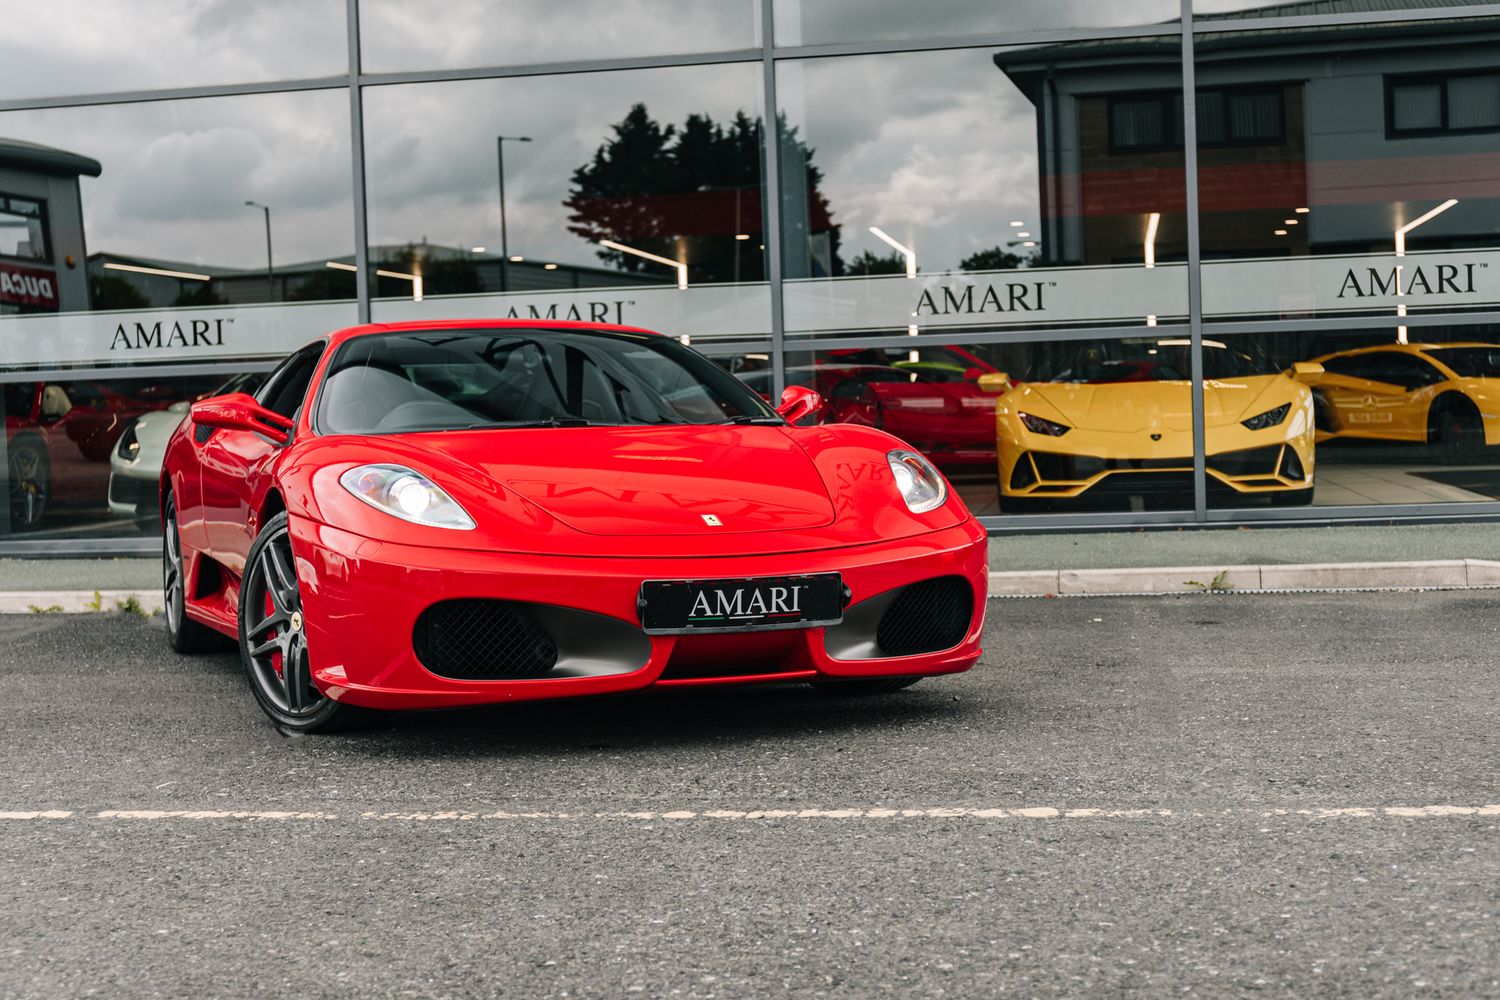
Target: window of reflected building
[{"x": 631, "y": 197}]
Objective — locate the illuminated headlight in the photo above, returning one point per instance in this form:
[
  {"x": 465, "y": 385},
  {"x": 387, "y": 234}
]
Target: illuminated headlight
[
  {"x": 1270, "y": 418},
  {"x": 1037, "y": 425},
  {"x": 129, "y": 446},
  {"x": 406, "y": 494},
  {"x": 921, "y": 486}
]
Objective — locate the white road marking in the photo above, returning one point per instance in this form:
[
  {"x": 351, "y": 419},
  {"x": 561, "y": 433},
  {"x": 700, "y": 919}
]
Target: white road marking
[{"x": 1039, "y": 813}]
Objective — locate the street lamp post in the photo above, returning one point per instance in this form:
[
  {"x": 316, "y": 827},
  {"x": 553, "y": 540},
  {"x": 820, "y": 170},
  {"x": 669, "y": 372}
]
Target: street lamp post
[
  {"x": 500, "y": 141},
  {"x": 270, "y": 274}
]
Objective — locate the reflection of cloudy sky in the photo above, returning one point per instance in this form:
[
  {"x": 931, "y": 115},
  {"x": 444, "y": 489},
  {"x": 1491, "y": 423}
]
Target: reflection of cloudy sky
[
  {"x": 421, "y": 34},
  {"x": 53, "y": 47},
  {"x": 177, "y": 174},
  {"x": 810, "y": 22}
]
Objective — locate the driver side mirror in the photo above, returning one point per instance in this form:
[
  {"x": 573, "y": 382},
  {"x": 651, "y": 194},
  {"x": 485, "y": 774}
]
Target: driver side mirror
[
  {"x": 239, "y": 411},
  {"x": 994, "y": 383},
  {"x": 797, "y": 401},
  {"x": 1306, "y": 371}
]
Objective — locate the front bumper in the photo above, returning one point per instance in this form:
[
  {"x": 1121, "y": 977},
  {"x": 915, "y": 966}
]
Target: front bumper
[{"x": 362, "y": 599}]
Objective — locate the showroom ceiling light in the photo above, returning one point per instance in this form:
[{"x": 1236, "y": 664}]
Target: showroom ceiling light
[
  {"x": 1401, "y": 252},
  {"x": 1279, "y": 232},
  {"x": 1017, "y": 224},
  {"x": 1153, "y": 223},
  {"x": 477, "y": 249},
  {"x": 340, "y": 266},
  {"x": 901, "y": 248},
  {"x": 163, "y": 272},
  {"x": 415, "y": 279},
  {"x": 1290, "y": 222},
  {"x": 742, "y": 236},
  {"x": 549, "y": 267},
  {"x": 682, "y": 275},
  {"x": 1303, "y": 211},
  {"x": 516, "y": 258}
]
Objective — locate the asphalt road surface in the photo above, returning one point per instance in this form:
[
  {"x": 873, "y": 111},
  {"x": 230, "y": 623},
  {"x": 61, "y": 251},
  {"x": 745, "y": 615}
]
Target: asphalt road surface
[{"x": 1194, "y": 796}]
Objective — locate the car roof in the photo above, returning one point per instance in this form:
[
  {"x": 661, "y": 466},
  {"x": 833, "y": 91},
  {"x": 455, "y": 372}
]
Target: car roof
[
  {"x": 1404, "y": 348},
  {"x": 368, "y": 329}
]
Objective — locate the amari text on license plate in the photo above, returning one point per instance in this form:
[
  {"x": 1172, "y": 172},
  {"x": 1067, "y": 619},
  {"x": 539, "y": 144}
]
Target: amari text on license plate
[{"x": 681, "y": 607}]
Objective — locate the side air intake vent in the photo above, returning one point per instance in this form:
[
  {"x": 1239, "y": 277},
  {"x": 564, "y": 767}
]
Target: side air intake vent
[
  {"x": 926, "y": 617},
  {"x": 482, "y": 640}
]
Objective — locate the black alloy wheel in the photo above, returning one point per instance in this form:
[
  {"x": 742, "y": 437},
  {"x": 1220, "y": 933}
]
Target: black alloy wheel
[
  {"x": 183, "y": 634},
  {"x": 29, "y": 479},
  {"x": 273, "y": 639}
]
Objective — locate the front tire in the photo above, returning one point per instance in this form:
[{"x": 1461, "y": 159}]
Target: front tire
[
  {"x": 183, "y": 634},
  {"x": 273, "y": 640},
  {"x": 1455, "y": 430}
]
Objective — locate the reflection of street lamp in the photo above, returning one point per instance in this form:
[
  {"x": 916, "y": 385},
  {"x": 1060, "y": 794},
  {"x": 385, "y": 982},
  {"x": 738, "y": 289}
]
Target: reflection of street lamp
[
  {"x": 682, "y": 277},
  {"x": 1153, "y": 223},
  {"x": 1401, "y": 252},
  {"x": 270, "y": 277},
  {"x": 500, "y": 141}
]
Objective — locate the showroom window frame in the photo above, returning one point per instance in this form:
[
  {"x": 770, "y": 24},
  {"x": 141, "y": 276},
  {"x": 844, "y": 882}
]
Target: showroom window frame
[{"x": 355, "y": 80}]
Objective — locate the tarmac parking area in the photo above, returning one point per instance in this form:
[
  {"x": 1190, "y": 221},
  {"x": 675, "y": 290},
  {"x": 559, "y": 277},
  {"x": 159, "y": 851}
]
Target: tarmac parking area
[{"x": 1204, "y": 795}]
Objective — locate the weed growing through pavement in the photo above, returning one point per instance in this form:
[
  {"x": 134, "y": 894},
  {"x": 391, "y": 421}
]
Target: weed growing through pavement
[
  {"x": 1218, "y": 585},
  {"x": 50, "y": 609}
]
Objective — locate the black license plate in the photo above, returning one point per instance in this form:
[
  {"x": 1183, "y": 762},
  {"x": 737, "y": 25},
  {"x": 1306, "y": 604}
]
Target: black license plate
[{"x": 680, "y": 607}]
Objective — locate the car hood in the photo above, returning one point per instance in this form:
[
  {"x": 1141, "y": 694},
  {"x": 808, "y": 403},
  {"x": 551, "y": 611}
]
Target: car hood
[
  {"x": 627, "y": 491},
  {"x": 1138, "y": 406}
]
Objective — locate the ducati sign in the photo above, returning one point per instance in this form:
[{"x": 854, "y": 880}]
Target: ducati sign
[{"x": 25, "y": 286}]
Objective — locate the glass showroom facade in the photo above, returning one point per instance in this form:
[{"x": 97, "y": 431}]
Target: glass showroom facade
[{"x": 1139, "y": 262}]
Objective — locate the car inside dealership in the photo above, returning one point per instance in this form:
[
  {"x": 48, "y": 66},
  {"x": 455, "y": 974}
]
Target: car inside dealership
[{"x": 1102, "y": 272}]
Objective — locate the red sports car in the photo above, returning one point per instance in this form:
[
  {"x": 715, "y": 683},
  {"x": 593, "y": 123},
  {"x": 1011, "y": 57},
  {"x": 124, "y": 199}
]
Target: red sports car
[{"x": 420, "y": 515}]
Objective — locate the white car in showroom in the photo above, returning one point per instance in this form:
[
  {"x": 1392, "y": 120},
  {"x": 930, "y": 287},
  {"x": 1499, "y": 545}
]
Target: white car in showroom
[{"x": 135, "y": 464}]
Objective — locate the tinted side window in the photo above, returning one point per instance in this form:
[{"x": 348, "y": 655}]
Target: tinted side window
[
  {"x": 1401, "y": 369},
  {"x": 287, "y": 388}
]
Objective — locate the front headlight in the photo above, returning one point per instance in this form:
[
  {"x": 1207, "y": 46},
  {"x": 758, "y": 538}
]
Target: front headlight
[
  {"x": 1039, "y": 425},
  {"x": 1270, "y": 418},
  {"x": 409, "y": 495},
  {"x": 921, "y": 486}
]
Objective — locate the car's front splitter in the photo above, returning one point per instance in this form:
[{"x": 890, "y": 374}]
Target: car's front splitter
[{"x": 363, "y": 598}]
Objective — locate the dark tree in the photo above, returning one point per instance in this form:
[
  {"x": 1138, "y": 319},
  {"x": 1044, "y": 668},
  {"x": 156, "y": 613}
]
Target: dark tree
[
  {"x": 874, "y": 263},
  {"x": 995, "y": 259},
  {"x": 322, "y": 286},
  {"x": 199, "y": 294},
  {"x": 440, "y": 275},
  {"x": 684, "y": 193},
  {"x": 109, "y": 292}
]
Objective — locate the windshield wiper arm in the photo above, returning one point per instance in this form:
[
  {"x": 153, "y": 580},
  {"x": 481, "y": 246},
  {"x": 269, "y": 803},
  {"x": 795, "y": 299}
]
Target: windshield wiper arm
[
  {"x": 539, "y": 422},
  {"x": 746, "y": 418}
]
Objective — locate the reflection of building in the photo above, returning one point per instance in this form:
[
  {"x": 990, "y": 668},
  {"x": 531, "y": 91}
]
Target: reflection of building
[
  {"x": 1367, "y": 126},
  {"x": 41, "y": 228},
  {"x": 140, "y": 282}
]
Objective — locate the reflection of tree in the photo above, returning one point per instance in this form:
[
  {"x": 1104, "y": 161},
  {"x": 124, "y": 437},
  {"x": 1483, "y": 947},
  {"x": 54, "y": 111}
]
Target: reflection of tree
[
  {"x": 996, "y": 259},
  {"x": 109, "y": 292},
  {"x": 682, "y": 193},
  {"x": 874, "y": 263},
  {"x": 199, "y": 294},
  {"x": 324, "y": 285},
  {"x": 440, "y": 275}
]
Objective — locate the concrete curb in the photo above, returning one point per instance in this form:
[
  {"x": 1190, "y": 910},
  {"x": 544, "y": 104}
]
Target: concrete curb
[
  {"x": 77, "y": 601},
  {"x": 1438, "y": 574},
  {"x": 1445, "y": 574}
]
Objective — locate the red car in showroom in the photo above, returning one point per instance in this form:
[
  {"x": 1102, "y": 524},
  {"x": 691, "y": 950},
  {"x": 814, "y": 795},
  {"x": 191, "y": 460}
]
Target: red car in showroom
[
  {"x": 59, "y": 436},
  {"x": 929, "y": 398},
  {"x": 421, "y": 515}
]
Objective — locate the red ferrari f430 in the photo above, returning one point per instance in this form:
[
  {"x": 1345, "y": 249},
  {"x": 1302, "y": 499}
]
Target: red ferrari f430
[{"x": 422, "y": 515}]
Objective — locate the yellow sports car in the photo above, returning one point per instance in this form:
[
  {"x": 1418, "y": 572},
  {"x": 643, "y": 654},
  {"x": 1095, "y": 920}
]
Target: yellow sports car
[
  {"x": 1446, "y": 396},
  {"x": 1115, "y": 417}
]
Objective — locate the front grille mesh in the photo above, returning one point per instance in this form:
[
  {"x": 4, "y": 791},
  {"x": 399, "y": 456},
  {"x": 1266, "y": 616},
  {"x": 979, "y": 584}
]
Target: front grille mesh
[
  {"x": 478, "y": 639},
  {"x": 926, "y": 617}
]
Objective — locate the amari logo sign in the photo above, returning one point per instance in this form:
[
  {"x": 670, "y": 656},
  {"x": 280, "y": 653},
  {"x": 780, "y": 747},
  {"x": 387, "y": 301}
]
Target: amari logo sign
[
  {"x": 188, "y": 333},
  {"x": 611, "y": 311},
  {"x": 1403, "y": 281},
  {"x": 1012, "y": 296}
]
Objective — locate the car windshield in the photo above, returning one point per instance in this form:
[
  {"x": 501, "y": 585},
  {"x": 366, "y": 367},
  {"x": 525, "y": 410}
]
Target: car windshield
[
  {"x": 440, "y": 380},
  {"x": 1145, "y": 360},
  {"x": 1469, "y": 362}
]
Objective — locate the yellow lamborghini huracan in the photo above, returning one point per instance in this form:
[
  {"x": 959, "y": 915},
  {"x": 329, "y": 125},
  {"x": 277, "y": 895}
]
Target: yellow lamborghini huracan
[
  {"x": 1446, "y": 396},
  {"x": 1115, "y": 417}
]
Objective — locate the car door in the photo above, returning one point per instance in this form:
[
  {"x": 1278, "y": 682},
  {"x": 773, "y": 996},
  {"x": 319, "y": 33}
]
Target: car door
[
  {"x": 236, "y": 464},
  {"x": 1382, "y": 394}
]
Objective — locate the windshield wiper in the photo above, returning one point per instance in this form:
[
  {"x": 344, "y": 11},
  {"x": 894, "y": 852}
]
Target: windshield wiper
[
  {"x": 746, "y": 418},
  {"x": 539, "y": 422}
]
